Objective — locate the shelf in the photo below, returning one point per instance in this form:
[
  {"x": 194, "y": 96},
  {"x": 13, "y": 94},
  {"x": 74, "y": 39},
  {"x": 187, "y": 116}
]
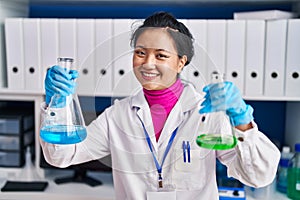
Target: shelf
[
  {"x": 164, "y": 1},
  {"x": 10, "y": 94},
  {"x": 263, "y": 98},
  {"x": 20, "y": 92}
]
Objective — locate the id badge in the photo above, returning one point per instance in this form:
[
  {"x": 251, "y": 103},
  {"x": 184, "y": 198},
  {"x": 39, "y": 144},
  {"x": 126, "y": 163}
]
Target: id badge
[{"x": 161, "y": 195}]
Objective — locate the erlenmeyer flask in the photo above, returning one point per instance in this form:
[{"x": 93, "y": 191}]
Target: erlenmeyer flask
[
  {"x": 219, "y": 135},
  {"x": 63, "y": 122}
]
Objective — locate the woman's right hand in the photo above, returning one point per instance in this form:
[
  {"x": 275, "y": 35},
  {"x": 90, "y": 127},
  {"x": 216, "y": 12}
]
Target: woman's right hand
[{"x": 59, "y": 81}]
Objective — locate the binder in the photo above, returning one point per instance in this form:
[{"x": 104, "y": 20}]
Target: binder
[
  {"x": 49, "y": 44},
  {"x": 67, "y": 39},
  {"x": 32, "y": 54},
  {"x": 276, "y": 32},
  {"x": 235, "y": 49},
  {"x": 124, "y": 83},
  {"x": 8, "y": 9},
  {"x": 3, "y": 80},
  {"x": 14, "y": 53},
  {"x": 264, "y": 14},
  {"x": 292, "y": 79},
  {"x": 255, "y": 48},
  {"x": 85, "y": 40},
  {"x": 197, "y": 70},
  {"x": 216, "y": 46},
  {"x": 103, "y": 57}
]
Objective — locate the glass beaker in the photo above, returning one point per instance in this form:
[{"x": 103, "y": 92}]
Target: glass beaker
[
  {"x": 63, "y": 122},
  {"x": 219, "y": 135}
]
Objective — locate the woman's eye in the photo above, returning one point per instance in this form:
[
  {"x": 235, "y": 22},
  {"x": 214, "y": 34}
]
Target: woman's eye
[
  {"x": 139, "y": 52},
  {"x": 162, "y": 56}
]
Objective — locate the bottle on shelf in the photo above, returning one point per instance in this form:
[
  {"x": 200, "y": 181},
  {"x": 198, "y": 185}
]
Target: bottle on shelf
[
  {"x": 293, "y": 189},
  {"x": 286, "y": 155}
]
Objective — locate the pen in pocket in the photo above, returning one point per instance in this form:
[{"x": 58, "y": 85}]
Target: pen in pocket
[
  {"x": 184, "y": 149},
  {"x": 189, "y": 151}
]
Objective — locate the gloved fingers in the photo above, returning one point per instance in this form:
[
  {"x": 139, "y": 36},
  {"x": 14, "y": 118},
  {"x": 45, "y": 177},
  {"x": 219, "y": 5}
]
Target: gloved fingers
[
  {"x": 64, "y": 88},
  {"x": 74, "y": 74},
  {"x": 68, "y": 74},
  {"x": 215, "y": 89},
  {"x": 205, "y": 107},
  {"x": 216, "y": 96},
  {"x": 61, "y": 71},
  {"x": 60, "y": 74},
  {"x": 214, "y": 86},
  {"x": 58, "y": 79}
]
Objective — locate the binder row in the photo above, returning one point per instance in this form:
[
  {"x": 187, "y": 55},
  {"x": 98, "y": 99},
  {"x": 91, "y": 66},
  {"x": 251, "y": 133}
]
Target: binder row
[{"x": 259, "y": 56}]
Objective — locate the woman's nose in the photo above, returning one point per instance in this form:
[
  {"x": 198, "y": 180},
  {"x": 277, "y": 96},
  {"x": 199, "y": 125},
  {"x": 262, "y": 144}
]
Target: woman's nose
[{"x": 149, "y": 61}]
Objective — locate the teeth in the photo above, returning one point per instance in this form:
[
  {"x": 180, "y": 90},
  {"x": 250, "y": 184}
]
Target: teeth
[{"x": 149, "y": 74}]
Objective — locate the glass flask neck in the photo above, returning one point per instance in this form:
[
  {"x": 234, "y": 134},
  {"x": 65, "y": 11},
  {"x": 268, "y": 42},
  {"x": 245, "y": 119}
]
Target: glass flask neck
[
  {"x": 217, "y": 77},
  {"x": 65, "y": 62}
]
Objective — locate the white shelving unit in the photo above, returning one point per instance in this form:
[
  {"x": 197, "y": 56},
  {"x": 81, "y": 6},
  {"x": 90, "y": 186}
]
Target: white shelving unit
[{"x": 37, "y": 99}]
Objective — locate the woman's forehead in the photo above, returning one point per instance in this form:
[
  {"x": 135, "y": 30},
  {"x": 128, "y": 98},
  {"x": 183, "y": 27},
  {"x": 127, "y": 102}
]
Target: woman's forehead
[{"x": 156, "y": 38}]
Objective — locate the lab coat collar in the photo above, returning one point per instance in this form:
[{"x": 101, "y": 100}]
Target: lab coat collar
[{"x": 189, "y": 100}]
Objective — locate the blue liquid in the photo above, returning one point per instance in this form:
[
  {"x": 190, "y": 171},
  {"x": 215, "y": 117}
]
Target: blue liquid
[{"x": 63, "y": 134}]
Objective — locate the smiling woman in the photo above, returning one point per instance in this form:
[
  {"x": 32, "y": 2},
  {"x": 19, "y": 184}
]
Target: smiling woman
[
  {"x": 145, "y": 133},
  {"x": 163, "y": 46},
  {"x": 156, "y": 62}
]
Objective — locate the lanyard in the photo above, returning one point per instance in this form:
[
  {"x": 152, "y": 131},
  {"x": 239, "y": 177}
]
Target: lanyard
[{"x": 150, "y": 145}]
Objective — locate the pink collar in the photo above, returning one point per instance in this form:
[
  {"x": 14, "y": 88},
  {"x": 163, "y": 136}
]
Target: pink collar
[{"x": 161, "y": 102}]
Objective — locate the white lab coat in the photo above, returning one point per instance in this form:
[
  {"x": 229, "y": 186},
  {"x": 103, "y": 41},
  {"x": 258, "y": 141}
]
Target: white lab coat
[{"x": 118, "y": 131}]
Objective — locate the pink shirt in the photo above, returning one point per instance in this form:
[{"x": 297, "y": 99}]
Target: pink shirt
[{"x": 161, "y": 103}]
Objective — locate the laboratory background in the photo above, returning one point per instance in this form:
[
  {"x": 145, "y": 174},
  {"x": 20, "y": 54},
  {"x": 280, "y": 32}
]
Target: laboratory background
[{"x": 255, "y": 43}]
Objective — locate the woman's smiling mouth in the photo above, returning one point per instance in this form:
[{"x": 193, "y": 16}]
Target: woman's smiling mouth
[{"x": 149, "y": 76}]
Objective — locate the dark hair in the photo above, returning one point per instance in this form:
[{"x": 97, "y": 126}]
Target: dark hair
[{"x": 178, "y": 31}]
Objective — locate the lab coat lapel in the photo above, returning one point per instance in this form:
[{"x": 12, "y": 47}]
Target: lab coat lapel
[
  {"x": 173, "y": 121},
  {"x": 143, "y": 112},
  {"x": 188, "y": 100}
]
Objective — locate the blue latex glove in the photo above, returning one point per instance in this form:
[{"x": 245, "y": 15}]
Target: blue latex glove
[
  {"x": 59, "y": 81},
  {"x": 225, "y": 96}
]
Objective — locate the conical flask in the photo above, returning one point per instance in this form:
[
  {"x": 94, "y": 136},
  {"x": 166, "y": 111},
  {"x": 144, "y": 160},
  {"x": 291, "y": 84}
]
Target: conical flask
[
  {"x": 219, "y": 134},
  {"x": 63, "y": 122}
]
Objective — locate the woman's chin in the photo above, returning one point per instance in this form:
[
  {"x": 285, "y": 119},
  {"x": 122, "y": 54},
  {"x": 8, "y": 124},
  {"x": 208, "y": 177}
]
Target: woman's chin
[{"x": 152, "y": 86}]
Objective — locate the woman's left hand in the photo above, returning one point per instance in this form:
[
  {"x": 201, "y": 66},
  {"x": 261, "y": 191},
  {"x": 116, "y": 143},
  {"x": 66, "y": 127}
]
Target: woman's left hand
[{"x": 225, "y": 96}]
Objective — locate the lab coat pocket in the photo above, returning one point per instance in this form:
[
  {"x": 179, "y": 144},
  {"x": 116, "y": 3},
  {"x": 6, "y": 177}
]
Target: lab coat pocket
[
  {"x": 190, "y": 173},
  {"x": 190, "y": 163}
]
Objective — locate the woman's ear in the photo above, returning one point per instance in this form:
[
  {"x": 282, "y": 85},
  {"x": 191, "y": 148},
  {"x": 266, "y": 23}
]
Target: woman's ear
[{"x": 182, "y": 62}]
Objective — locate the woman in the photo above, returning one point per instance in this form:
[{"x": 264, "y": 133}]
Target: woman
[{"x": 144, "y": 133}]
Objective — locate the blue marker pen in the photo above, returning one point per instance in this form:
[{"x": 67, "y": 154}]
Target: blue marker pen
[
  {"x": 189, "y": 151},
  {"x": 184, "y": 148}
]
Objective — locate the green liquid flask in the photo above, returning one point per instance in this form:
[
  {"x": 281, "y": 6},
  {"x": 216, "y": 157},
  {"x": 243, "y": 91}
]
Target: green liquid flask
[
  {"x": 293, "y": 186},
  {"x": 219, "y": 135},
  {"x": 63, "y": 122}
]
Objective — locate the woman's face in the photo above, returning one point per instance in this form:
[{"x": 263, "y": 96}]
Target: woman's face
[{"x": 155, "y": 59}]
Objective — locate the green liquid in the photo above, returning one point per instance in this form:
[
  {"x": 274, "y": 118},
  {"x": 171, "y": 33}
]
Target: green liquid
[
  {"x": 216, "y": 141},
  {"x": 293, "y": 190}
]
